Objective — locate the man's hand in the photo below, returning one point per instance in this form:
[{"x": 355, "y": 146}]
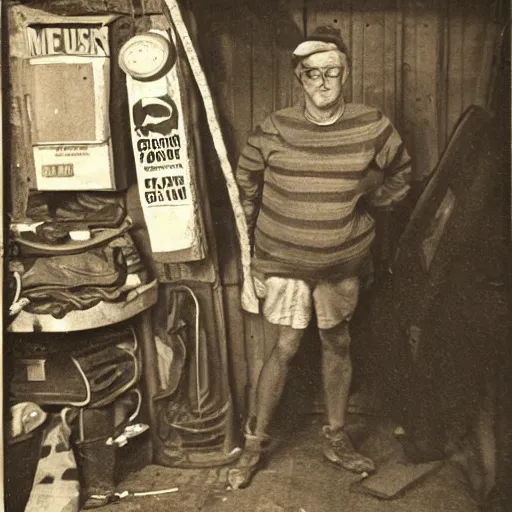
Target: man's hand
[{"x": 383, "y": 198}]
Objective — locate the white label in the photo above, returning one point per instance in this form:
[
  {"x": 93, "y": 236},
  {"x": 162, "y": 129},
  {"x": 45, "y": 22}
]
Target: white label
[
  {"x": 73, "y": 167},
  {"x": 35, "y": 369}
]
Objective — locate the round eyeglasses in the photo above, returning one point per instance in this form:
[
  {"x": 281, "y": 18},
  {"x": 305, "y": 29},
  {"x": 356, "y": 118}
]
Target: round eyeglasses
[{"x": 317, "y": 74}]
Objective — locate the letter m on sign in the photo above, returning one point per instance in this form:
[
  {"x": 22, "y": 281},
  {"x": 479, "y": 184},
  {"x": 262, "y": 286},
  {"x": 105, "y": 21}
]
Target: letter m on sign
[{"x": 35, "y": 41}]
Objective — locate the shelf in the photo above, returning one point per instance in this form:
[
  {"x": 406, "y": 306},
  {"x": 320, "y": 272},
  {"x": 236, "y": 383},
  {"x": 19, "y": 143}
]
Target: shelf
[{"x": 104, "y": 313}]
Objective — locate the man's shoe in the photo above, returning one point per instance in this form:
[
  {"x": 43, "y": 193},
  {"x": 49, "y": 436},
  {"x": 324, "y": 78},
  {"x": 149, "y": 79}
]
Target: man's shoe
[
  {"x": 249, "y": 462},
  {"x": 339, "y": 450}
]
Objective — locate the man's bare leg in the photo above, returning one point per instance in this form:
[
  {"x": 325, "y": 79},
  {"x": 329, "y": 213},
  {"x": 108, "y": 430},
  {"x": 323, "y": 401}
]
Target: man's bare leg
[
  {"x": 337, "y": 376},
  {"x": 273, "y": 376},
  {"x": 270, "y": 388},
  {"x": 336, "y": 372}
]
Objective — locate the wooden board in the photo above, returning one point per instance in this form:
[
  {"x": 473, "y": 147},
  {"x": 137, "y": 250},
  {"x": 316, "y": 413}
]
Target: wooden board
[
  {"x": 390, "y": 62},
  {"x": 408, "y": 77},
  {"x": 262, "y": 57},
  {"x": 455, "y": 89},
  {"x": 427, "y": 62},
  {"x": 357, "y": 51},
  {"x": 373, "y": 58}
]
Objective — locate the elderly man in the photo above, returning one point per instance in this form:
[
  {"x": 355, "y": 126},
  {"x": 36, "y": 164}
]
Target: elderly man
[{"x": 301, "y": 176}]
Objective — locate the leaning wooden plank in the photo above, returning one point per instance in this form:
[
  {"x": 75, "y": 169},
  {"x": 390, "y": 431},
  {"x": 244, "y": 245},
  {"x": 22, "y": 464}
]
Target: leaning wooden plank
[{"x": 248, "y": 299}]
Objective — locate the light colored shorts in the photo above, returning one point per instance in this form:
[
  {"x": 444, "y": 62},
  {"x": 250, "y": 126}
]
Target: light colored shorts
[{"x": 290, "y": 301}]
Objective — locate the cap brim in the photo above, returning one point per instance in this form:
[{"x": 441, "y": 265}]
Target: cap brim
[{"x": 307, "y": 48}]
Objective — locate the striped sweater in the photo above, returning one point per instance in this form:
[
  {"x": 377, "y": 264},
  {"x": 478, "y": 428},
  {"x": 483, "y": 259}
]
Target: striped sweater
[{"x": 300, "y": 184}]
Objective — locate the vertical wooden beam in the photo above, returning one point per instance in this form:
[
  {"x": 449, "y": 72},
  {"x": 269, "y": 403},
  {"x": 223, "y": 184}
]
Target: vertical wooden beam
[
  {"x": 344, "y": 21},
  {"x": 455, "y": 64},
  {"x": 373, "y": 55},
  {"x": 474, "y": 42},
  {"x": 399, "y": 67},
  {"x": 242, "y": 74},
  {"x": 289, "y": 32},
  {"x": 443, "y": 36},
  {"x": 390, "y": 60},
  {"x": 427, "y": 152},
  {"x": 488, "y": 65},
  {"x": 283, "y": 77},
  {"x": 263, "y": 66},
  {"x": 299, "y": 14},
  {"x": 409, "y": 77},
  {"x": 357, "y": 51}
]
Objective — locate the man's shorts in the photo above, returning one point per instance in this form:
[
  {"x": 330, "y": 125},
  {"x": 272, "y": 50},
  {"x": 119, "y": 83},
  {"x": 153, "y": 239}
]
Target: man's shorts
[{"x": 290, "y": 301}]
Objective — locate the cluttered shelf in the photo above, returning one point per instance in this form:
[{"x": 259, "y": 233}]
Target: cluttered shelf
[{"x": 100, "y": 315}]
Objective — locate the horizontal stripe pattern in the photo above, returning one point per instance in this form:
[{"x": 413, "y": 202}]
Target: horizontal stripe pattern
[
  {"x": 307, "y": 223},
  {"x": 304, "y": 210},
  {"x": 309, "y": 179},
  {"x": 313, "y": 255},
  {"x": 309, "y": 196}
]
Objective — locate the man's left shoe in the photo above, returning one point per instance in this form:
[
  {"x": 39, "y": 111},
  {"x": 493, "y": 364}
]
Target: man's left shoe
[
  {"x": 338, "y": 449},
  {"x": 251, "y": 460}
]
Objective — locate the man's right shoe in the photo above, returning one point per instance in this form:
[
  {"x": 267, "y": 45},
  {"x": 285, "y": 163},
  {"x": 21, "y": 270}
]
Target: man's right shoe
[{"x": 338, "y": 449}]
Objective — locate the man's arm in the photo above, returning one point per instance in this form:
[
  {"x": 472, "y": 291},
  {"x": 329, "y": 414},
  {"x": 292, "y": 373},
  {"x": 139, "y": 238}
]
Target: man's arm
[
  {"x": 393, "y": 159},
  {"x": 249, "y": 178}
]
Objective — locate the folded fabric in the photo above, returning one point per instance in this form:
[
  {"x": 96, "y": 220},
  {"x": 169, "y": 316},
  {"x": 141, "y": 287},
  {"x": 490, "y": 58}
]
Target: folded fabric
[
  {"x": 89, "y": 209},
  {"x": 48, "y": 300},
  {"x": 52, "y": 238},
  {"x": 96, "y": 267}
]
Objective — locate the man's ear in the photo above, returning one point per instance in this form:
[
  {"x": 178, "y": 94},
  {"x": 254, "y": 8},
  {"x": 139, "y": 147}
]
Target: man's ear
[{"x": 297, "y": 74}]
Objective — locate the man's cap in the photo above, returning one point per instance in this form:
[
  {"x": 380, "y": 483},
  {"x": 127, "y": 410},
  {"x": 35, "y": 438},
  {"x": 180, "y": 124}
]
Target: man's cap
[
  {"x": 307, "y": 48},
  {"x": 322, "y": 39}
]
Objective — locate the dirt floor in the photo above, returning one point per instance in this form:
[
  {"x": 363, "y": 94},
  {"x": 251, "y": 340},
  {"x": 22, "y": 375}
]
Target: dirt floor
[{"x": 297, "y": 479}]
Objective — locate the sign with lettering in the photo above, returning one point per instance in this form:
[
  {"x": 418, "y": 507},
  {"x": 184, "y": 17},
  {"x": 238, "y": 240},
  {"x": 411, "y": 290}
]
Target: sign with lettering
[
  {"x": 160, "y": 150},
  {"x": 86, "y": 40},
  {"x": 73, "y": 167}
]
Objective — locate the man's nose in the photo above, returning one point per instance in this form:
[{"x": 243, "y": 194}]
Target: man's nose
[{"x": 324, "y": 84}]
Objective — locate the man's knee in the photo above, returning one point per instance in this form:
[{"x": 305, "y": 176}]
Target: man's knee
[
  {"x": 288, "y": 342},
  {"x": 336, "y": 339}
]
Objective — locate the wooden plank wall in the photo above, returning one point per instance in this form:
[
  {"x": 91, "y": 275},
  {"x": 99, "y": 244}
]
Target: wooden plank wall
[{"x": 423, "y": 62}]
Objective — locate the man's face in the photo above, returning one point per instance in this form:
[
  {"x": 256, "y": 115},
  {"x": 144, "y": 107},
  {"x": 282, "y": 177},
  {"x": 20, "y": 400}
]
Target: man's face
[{"x": 322, "y": 76}]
